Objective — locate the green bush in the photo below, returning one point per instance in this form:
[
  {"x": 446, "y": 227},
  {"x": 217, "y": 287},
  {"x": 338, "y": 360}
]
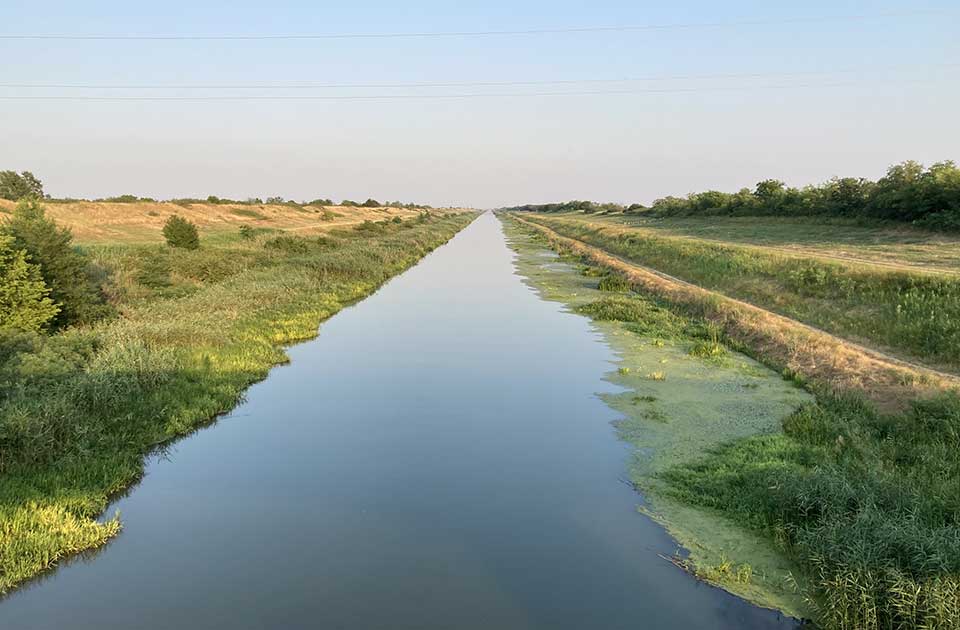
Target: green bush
[
  {"x": 127, "y": 199},
  {"x": 614, "y": 282},
  {"x": 25, "y": 304},
  {"x": 868, "y": 503},
  {"x": 180, "y": 232},
  {"x": 65, "y": 269},
  {"x": 297, "y": 245}
]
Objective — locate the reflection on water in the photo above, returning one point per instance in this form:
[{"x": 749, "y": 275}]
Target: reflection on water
[{"x": 436, "y": 458}]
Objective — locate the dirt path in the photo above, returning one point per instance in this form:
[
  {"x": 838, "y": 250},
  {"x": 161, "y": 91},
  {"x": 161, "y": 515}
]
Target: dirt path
[
  {"x": 806, "y": 349},
  {"x": 799, "y": 251}
]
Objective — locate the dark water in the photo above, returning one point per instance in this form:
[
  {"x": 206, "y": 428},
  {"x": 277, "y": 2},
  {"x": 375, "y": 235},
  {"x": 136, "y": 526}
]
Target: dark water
[{"x": 436, "y": 458}]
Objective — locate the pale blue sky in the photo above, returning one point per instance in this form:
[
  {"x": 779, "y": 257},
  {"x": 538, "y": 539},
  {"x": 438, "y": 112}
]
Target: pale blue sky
[{"x": 897, "y": 99}]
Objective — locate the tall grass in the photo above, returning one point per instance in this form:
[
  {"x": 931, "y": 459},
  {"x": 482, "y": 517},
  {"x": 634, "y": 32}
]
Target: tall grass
[
  {"x": 868, "y": 503},
  {"x": 79, "y": 410},
  {"x": 914, "y": 315}
]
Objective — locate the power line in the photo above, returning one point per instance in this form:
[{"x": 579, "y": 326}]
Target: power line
[
  {"x": 447, "y": 84},
  {"x": 443, "y": 96},
  {"x": 489, "y": 33}
]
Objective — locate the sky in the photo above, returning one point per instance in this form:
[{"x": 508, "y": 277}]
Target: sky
[{"x": 829, "y": 96}]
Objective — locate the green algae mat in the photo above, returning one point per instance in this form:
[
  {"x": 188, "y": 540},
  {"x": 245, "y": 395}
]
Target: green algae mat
[{"x": 681, "y": 395}]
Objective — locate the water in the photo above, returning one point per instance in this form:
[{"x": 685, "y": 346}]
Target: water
[{"x": 436, "y": 458}]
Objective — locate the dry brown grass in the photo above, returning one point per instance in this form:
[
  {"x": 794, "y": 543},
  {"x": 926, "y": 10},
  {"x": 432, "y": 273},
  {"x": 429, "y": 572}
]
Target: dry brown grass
[
  {"x": 102, "y": 222},
  {"x": 826, "y": 361}
]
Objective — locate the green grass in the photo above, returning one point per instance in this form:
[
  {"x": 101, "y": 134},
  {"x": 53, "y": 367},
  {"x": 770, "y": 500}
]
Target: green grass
[
  {"x": 80, "y": 409},
  {"x": 674, "y": 417},
  {"x": 876, "y": 241},
  {"x": 866, "y": 504},
  {"x": 914, "y": 315},
  {"x": 249, "y": 213}
]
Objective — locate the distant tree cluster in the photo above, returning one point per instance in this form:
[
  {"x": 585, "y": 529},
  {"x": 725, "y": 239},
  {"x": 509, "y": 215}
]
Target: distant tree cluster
[
  {"x": 909, "y": 192},
  {"x": 408, "y": 206},
  {"x": 127, "y": 199},
  {"x": 586, "y": 207},
  {"x": 15, "y": 186},
  {"x": 928, "y": 197}
]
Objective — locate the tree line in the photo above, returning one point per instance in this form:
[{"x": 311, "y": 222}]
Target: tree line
[
  {"x": 928, "y": 197},
  {"x": 15, "y": 186}
]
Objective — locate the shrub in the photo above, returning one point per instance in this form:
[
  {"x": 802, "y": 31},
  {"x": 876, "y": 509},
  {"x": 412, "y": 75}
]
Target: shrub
[
  {"x": 14, "y": 186},
  {"x": 180, "y": 232},
  {"x": 614, "y": 283},
  {"x": 25, "y": 304},
  {"x": 247, "y": 232},
  {"x": 866, "y": 502},
  {"x": 288, "y": 244},
  {"x": 127, "y": 199},
  {"x": 297, "y": 244},
  {"x": 65, "y": 269}
]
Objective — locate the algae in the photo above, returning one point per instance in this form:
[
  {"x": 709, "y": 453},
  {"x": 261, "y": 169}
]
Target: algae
[{"x": 677, "y": 403}]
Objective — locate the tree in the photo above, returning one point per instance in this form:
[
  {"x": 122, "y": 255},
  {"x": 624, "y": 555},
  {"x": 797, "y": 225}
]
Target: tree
[
  {"x": 896, "y": 193},
  {"x": 180, "y": 232},
  {"x": 371, "y": 203},
  {"x": 770, "y": 190},
  {"x": 65, "y": 269},
  {"x": 25, "y": 303},
  {"x": 15, "y": 187},
  {"x": 846, "y": 197}
]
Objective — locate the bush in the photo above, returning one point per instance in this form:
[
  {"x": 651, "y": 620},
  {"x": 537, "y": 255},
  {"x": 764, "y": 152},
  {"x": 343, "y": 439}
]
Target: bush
[
  {"x": 127, "y": 199},
  {"x": 297, "y": 245},
  {"x": 247, "y": 232},
  {"x": 868, "y": 503},
  {"x": 25, "y": 304},
  {"x": 65, "y": 269},
  {"x": 15, "y": 187},
  {"x": 180, "y": 232},
  {"x": 614, "y": 283}
]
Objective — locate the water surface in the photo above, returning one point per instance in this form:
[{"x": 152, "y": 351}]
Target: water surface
[{"x": 436, "y": 458}]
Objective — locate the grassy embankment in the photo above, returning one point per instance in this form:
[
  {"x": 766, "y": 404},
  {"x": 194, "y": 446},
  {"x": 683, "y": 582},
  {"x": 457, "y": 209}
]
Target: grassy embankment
[
  {"x": 80, "y": 408},
  {"x": 108, "y": 222},
  {"x": 906, "y": 312},
  {"x": 866, "y": 502},
  {"x": 666, "y": 363},
  {"x": 846, "y": 240}
]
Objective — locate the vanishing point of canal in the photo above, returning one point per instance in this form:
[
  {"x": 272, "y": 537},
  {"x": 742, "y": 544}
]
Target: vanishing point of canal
[{"x": 436, "y": 458}]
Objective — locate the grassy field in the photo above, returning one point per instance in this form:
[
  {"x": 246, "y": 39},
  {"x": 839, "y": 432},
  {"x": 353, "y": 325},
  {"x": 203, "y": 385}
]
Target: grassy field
[
  {"x": 79, "y": 409},
  {"x": 904, "y": 312},
  {"x": 866, "y": 502},
  {"x": 844, "y": 239},
  {"x": 140, "y": 222}
]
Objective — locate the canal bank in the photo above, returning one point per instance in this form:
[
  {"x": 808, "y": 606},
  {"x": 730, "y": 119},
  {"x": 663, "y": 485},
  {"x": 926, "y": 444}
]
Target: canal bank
[{"x": 437, "y": 457}]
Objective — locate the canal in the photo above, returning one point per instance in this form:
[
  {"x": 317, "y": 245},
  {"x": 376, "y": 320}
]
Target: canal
[{"x": 437, "y": 457}]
